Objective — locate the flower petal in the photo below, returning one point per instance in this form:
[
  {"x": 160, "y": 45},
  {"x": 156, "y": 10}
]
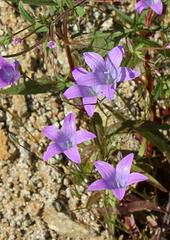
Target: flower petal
[
  {"x": 140, "y": 6},
  {"x": 123, "y": 170},
  {"x": 119, "y": 193},
  {"x": 6, "y": 74},
  {"x": 114, "y": 57},
  {"x": 51, "y": 151},
  {"x": 16, "y": 75},
  {"x": 73, "y": 154},
  {"x": 3, "y": 83},
  {"x": 136, "y": 177},
  {"x": 78, "y": 72},
  {"x": 89, "y": 105},
  {"x": 98, "y": 185},
  {"x": 126, "y": 74},
  {"x": 82, "y": 136},
  {"x": 158, "y": 8},
  {"x": 73, "y": 92},
  {"x": 69, "y": 127},
  {"x": 53, "y": 133},
  {"x": 94, "y": 61},
  {"x": 107, "y": 172},
  {"x": 108, "y": 90},
  {"x": 92, "y": 79},
  {"x": 15, "y": 65}
]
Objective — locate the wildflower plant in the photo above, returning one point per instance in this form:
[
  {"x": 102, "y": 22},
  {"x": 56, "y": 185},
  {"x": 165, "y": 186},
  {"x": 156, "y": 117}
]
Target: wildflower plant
[{"x": 101, "y": 62}]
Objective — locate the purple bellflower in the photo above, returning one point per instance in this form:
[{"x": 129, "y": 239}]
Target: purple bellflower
[
  {"x": 106, "y": 73},
  {"x": 155, "y": 5},
  {"x": 117, "y": 179},
  {"x": 66, "y": 140},
  {"x": 8, "y": 72},
  {"x": 89, "y": 94}
]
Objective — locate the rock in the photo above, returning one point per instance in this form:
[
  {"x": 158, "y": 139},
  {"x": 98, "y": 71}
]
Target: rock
[
  {"x": 3, "y": 145},
  {"x": 34, "y": 207},
  {"x": 70, "y": 228},
  {"x": 20, "y": 105}
]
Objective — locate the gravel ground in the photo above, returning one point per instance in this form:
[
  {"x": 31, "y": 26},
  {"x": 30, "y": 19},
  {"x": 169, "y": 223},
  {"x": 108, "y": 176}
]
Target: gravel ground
[{"x": 36, "y": 200}]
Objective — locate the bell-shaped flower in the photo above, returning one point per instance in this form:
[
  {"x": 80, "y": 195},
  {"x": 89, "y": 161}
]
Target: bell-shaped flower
[
  {"x": 8, "y": 72},
  {"x": 117, "y": 179},
  {"x": 155, "y": 5},
  {"x": 66, "y": 141},
  {"x": 88, "y": 94},
  {"x": 106, "y": 72}
]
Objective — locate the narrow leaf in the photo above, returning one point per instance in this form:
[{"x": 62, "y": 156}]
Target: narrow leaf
[
  {"x": 25, "y": 14},
  {"x": 40, "y": 85},
  {"x": 36, "y": 2}
]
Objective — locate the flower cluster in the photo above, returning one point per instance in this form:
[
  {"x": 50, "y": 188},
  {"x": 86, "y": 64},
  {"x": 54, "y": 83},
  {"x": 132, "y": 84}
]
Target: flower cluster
[
  {"x": 8, "y": 72},
  {"x": 102, "y": 80}
]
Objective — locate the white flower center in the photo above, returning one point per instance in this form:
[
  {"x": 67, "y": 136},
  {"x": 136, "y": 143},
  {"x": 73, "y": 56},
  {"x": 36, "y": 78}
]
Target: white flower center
[
  {"x": 109, "y": 79},
  {"x": 69, "y": 144}
]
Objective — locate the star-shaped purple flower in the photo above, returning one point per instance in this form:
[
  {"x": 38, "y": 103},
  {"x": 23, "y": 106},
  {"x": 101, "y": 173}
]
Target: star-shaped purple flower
[
  {"x": 117, "y": 179},
  {"x": 66, "y": 141},
  {"x": 106, "y": 73},
  {"x": 8, "y": 72},
  {"x": 155, "y": 5},
  {"x": 89, "y": 94}
]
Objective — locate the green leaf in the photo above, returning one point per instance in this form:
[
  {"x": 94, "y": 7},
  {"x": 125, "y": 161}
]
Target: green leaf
[
  {"x": 147, "y": 129},
  {"x": 142, "y": 148},
  {"x": 152, "y": 180},
  {"x": 124, "y": 16},
  {"x": 157, "y": 91},
  {"x": 156, "y": 138},
  {"x": 5, "y": 40},
  {"x": 80, "y": 11},
  {"x": 9, "y": 32},
  {"x": 36, "y": 2},
  {"x": 25, "y": 14},
  {"x": 42, "y": 29},
  {"x": 40, "y": 85}
]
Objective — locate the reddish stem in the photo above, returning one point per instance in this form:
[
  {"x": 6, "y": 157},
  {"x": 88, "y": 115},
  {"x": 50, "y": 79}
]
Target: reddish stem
[
  {"x": 66, "y": 42},
  {"x": 149, "y": 83},
  {"x": 149, "y": 18}
]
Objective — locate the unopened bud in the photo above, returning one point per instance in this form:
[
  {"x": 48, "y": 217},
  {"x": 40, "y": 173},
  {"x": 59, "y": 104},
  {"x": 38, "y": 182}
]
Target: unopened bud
[
  {"x": 158, "y": 73},
  {"x": 40, "y": 47}
]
